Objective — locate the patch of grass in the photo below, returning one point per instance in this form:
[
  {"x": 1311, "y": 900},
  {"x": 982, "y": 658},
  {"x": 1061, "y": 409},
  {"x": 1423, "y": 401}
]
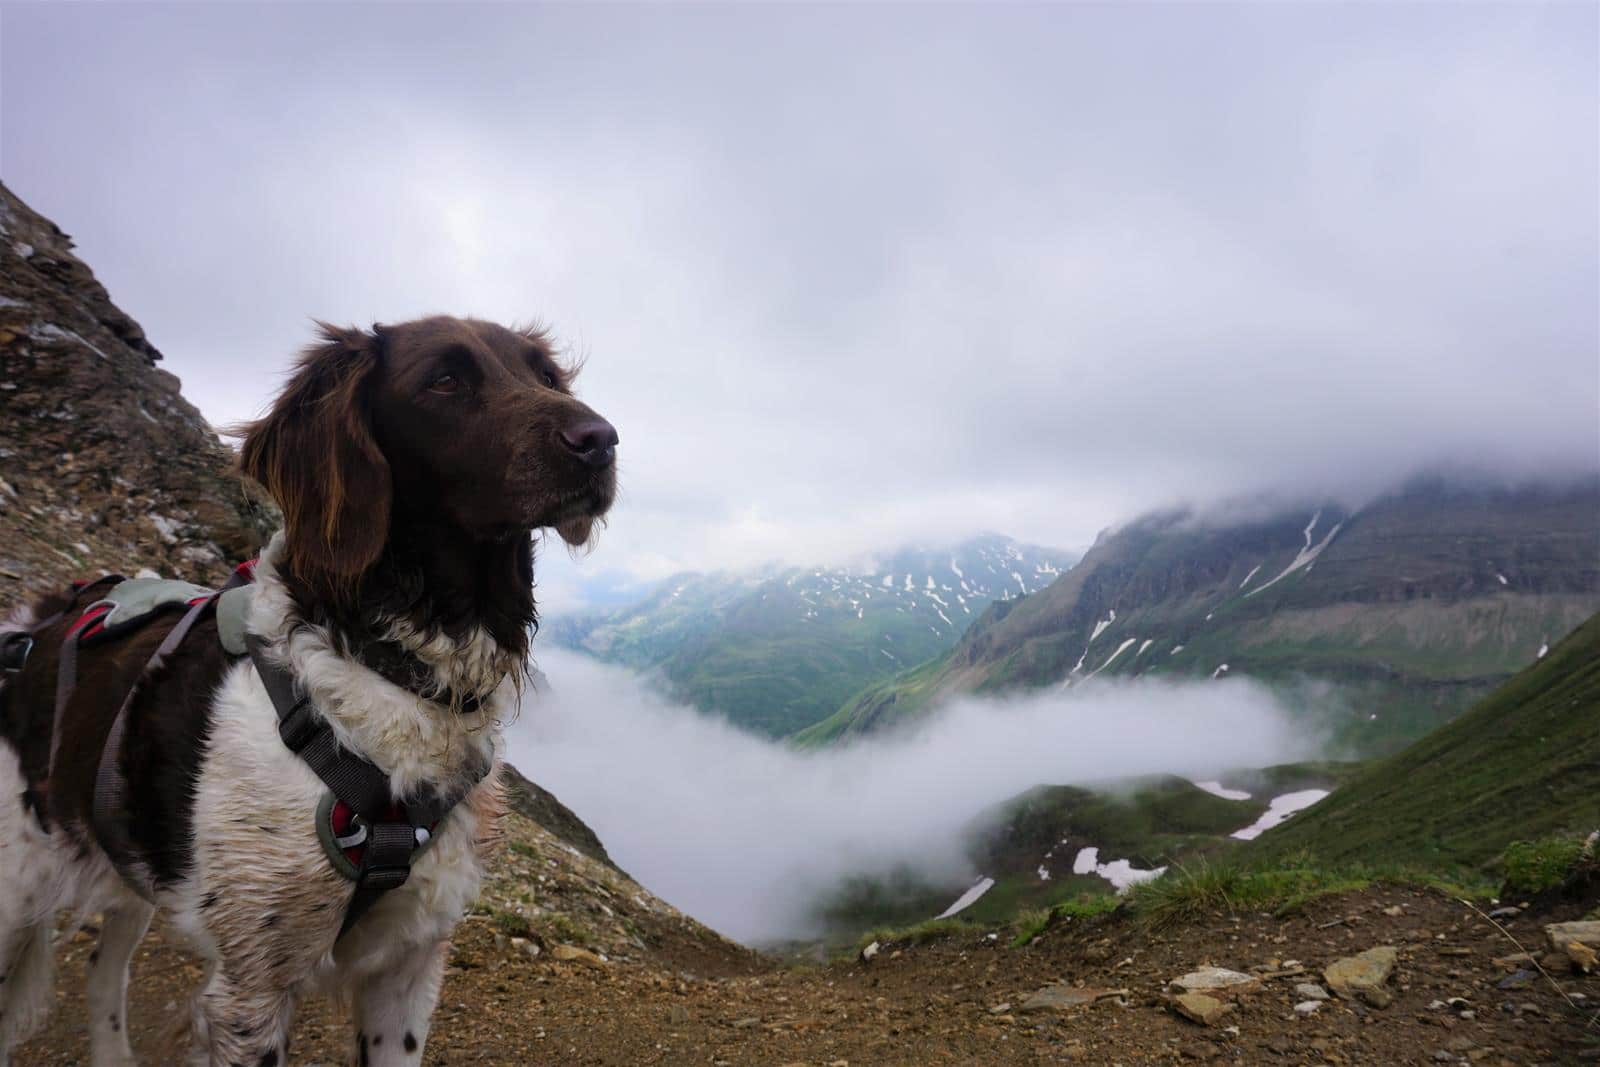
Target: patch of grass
[
  {"x": 1030, "y": 924},
  {"x": 920, "y": 934},
  {"x": 520, "y": 849},
  {"x": 1186, "y": 894},
  {"x": 1087, "y": 906},
  {"x": 565, "y": 929},
  {"x": 1534, "y": 866},
  {"x": 510, "y": 923}
]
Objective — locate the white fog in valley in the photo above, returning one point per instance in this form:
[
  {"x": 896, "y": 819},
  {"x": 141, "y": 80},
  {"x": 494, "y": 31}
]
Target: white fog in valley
[{"x": 745, "y": 834}]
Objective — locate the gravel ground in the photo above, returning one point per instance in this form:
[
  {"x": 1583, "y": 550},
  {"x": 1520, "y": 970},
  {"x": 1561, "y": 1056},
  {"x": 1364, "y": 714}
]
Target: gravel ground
[{"x": 646, "y": 985}]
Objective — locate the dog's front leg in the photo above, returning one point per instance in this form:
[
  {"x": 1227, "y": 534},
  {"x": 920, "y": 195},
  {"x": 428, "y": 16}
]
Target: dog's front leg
[
  {"x": 108, "y": 982},
  {"x": 394, "y": 1007},
  {"x": 246, "y": 1020}
]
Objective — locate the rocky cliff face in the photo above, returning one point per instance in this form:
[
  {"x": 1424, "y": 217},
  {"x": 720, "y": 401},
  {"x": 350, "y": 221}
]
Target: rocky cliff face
[{"x": 103, "y": 464}]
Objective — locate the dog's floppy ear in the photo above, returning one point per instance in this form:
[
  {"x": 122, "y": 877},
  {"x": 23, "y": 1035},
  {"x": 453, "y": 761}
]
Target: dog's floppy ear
[{"x": 316, "y": 454}]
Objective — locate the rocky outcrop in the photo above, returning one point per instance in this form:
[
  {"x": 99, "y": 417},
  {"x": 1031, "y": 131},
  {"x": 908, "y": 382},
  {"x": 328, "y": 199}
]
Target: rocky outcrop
[
  {"x": 103, "y": 464},
  {"x": 539, "y": 805}
]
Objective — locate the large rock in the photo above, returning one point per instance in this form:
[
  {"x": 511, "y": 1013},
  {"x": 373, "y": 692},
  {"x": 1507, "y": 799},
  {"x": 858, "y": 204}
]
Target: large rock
[
  {"x": 1363, "y": 975},
  {"x": 1586, "y": 932},
  {"x": 1582, "y": 957},
  {"x": 1216, "y": 981},
  {"x": 1065, "y": 997},
  {"x": 574, "y": 954},
  {"x": 1197, "y": 1007}
]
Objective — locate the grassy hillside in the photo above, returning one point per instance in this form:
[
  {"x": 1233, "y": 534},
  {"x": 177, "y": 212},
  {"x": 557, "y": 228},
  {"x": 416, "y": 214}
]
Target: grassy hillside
[
  {"x": 1029, "y": 843},
  {"x": 1414, "y": 606},
  {"x": 1523, "y": 763},
  {"x": 1152, "y": 822}
]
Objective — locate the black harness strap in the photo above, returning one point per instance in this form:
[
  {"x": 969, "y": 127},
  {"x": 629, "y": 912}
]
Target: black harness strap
[
  {"x": 358, "y": 783},
  {"x": 66, "y": 682},
  {"x": 16, "y": 646}
]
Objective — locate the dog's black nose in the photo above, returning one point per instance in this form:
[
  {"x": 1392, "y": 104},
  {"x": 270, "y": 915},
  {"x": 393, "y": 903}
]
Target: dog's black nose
[{"x": 594, "y": 441}]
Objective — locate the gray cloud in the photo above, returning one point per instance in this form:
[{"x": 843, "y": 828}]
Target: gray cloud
[
  {"x": 757, "y": 833},
  {"x": 857, "y": 275}
]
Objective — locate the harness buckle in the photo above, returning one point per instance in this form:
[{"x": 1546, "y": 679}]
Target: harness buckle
[
  {"x": 299, "y": 728},
  {"x": 384, "y": 877},
  {"x": 356, "y": 836},
  {"x": 14, "y": 650},
  {"x": 387, "y": 863}
]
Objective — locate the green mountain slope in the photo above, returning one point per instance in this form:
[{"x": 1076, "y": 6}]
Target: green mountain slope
[
  {"x": 1055, "y": 843},
  {"x": 1415, "y": 605},
  {"x": 1523, "y": 763},
  {"x": 777, "y": 651}
]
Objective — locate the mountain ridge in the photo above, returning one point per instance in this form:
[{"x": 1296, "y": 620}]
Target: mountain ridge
[
  {"x": 775, "y": 650},
  {"x": 105, "y": 462},
  {"x": 1415, "y": 604}
]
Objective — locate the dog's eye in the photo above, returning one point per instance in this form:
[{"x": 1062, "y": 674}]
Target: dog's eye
[
  {"x": 550, "y": 379},
  {"x": 445, "y": 384}
]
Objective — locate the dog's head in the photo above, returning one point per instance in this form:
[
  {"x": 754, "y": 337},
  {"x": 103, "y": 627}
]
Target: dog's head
[{"x": 459, "y": 423}]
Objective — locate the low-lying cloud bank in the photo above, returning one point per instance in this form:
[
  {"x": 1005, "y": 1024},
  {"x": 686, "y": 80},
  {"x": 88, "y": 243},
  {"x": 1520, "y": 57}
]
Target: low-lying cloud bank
[{"x": 745, "y": 835}]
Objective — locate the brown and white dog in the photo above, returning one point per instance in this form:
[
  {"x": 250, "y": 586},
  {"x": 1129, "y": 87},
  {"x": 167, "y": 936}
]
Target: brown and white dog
[{"x": 413, "y": 465}]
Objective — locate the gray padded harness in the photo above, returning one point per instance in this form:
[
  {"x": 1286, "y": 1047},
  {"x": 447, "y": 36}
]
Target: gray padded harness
[{"x": 369, "y": 837}]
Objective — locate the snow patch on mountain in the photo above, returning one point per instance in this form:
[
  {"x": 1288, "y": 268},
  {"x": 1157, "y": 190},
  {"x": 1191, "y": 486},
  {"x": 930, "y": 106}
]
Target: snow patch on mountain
[
  {"x": 967, "y": 899},
  {"x": 1120, "y": 873},
  {"x": 1100, "y": 626},
  {"x": 1112, "y": 658},
  {"x": 1278, "y": 811},
  {"x": 1306, "y": 556},
  {"x": 1217, "y": 789}
]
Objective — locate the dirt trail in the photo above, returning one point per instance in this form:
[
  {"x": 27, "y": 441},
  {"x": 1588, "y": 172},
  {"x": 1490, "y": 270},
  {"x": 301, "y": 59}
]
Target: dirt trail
[{"x": 687, "y": 997}]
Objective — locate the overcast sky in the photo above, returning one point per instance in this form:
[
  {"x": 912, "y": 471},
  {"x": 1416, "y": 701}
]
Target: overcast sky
[{"x": 849, "y": 276}]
